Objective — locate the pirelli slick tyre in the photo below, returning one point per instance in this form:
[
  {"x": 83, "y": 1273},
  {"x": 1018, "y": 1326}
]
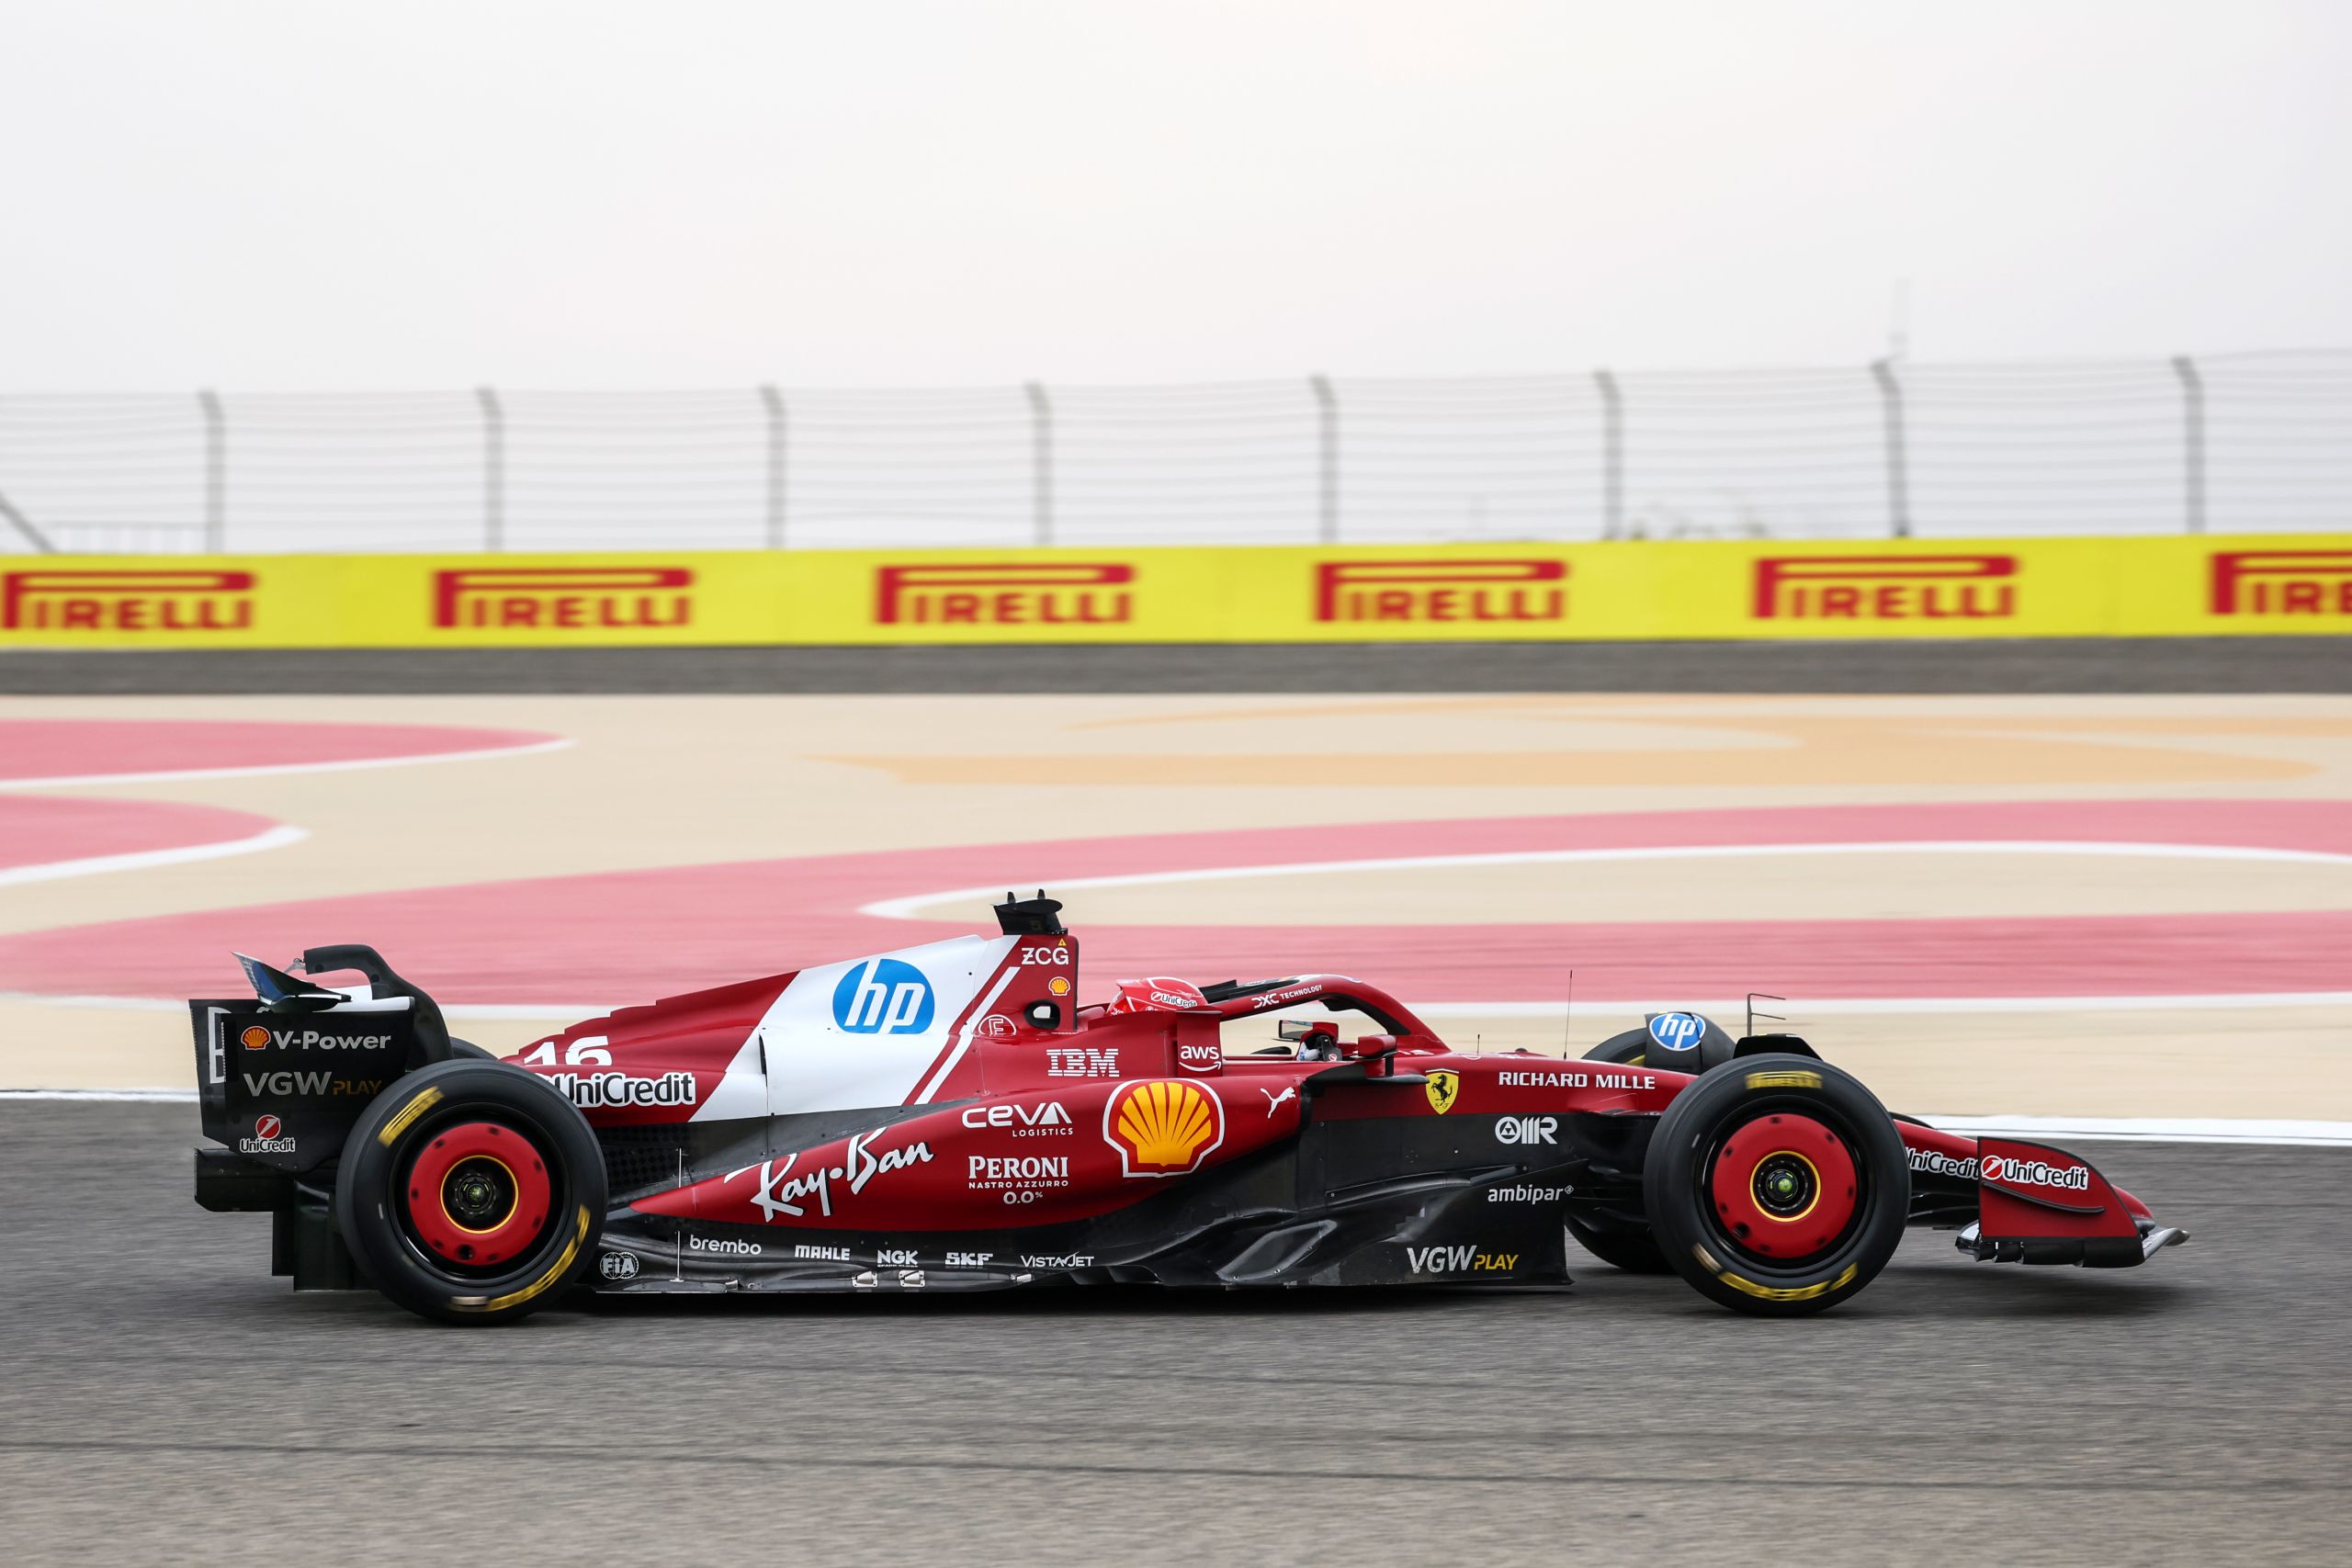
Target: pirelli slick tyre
[
  {"x": 1635, "y": 1251},
  {"x": 1623, "y": 1050},
  {"x": 468, "y": 1193},
  {"x": 1776, "y": 1186},
  {"x": 469, "y": 1051}
]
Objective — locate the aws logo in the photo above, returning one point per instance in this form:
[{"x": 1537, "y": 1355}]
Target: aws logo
[
  {"x": 1163, "y": 1126},
  {"x": 883, "y": 996}
]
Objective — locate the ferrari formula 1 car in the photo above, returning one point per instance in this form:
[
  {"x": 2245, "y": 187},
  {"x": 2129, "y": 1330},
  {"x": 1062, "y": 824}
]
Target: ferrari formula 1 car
[{"x": 950, "y": 1117}]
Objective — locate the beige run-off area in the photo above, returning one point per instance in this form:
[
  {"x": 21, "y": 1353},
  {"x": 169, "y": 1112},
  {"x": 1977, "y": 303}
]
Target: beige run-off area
[{"x": 657, "y": 782}]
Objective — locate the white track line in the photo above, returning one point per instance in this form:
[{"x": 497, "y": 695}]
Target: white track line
[
  {"x": 141, "y": 860},
  {"x": 2082, "y": 1128},
  {"x": 348, "y": 764},
  {"x": 910, "y": 907}
]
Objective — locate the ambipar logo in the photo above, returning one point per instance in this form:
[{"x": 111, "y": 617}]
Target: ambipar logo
[{"x": 883, "y": 996}]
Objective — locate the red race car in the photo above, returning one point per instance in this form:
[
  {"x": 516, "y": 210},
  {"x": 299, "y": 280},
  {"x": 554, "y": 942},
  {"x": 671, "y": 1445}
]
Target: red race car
[{"x": 950, "y": 1117}]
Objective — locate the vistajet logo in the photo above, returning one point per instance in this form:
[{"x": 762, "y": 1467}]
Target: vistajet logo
[
  {"x": 1439, "y": 590},
  {"x": 134, "y": 602},
  {"x": 1886, "y": 588},
  {"x": 563, "y": 598},
  {"x": 2283, "y": 583},
  {"x": 1055, "y": 594}
]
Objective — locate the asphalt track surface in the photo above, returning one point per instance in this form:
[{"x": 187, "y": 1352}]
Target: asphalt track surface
[
  {"x": 2179, "y": 665},
  {"x": 162, "y": 1399}
]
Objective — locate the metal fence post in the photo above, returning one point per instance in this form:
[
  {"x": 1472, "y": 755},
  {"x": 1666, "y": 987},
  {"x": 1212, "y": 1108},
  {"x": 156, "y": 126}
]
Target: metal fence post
[
  {"x": 1326, "y": 417},
  {"x": 773, "y": 401},
  {"x": 493, "y": 470},
  {"x": 24, "y": 525},
  {"x": 2192, "y": 420},
  {"x": 1612, "y": 456},
  {"x": 1898, "y": 477},
  {"x": 1041, "y": 462},
  {"x": 216, "y": 472}
]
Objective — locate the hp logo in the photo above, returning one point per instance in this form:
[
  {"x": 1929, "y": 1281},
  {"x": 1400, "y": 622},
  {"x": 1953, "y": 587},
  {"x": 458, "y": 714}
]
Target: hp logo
[
  {"x": 1678, "y": 1031},
  {"x": 883, "y": 996}
]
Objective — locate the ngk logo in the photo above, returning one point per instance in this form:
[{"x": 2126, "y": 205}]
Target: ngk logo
[
  {"x": 564, "y": 598},
  {"x": 1440, "y": 591},
  {"x": 1887, "y": 587},
  {"x": 127, "y": 601},
  {"x": 2283, "y": 583},
  {"x": 1047, "y": 594}
]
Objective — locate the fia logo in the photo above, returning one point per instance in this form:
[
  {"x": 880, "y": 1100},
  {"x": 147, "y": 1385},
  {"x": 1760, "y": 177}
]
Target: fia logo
[
  {"x": 1678, "y": 1031},
  {"x": 883, "y": 996}
]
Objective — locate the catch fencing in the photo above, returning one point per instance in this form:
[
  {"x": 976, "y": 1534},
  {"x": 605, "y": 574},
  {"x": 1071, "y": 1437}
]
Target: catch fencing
[{"x": 2219, "y": 444}]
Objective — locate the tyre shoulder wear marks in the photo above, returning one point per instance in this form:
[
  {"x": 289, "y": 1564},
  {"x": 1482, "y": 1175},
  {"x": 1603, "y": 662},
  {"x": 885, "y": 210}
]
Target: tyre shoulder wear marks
[
  {"x": 555, "y": 1272},
  {"x": 1774, "y": 1292},
  {"x": 407, "y": 1113}
]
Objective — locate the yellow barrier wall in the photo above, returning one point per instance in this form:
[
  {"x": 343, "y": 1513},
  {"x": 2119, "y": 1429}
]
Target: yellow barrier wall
[{"x": 1694, "y": 589}]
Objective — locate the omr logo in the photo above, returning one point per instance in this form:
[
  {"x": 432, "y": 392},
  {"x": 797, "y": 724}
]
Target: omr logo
[
  {"x": 157, "y": 601},
  {"x": 883, "y": 996},
  {"x": 1052, "y": 593},
  {"x": 563, "y": 598},
  {"x": 1886, "y": 588},
  {"x": 1440, "y": 591}
]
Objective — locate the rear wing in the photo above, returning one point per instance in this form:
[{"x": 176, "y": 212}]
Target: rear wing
[{"x": 283, "y": 1088}]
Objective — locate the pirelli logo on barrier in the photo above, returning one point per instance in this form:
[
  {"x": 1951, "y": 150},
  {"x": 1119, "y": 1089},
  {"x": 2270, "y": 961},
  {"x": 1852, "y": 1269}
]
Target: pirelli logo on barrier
[
  {"x": 1440, "y": 591},
  {"x": 1013, "y": 593},
  {"x": 563, "y": 598},
  {"x": 126, "y": 604},
  {"x": 1886, "y": 588},
  {"x": 2283, "y": 583}
]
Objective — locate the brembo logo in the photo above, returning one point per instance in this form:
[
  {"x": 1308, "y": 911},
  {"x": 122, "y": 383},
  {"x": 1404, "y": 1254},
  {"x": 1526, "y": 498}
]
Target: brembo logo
[
  {"x": 563, "y": 598},
  {"x": 2283, "y": 583},
  {"x": 1440, "y": 591},
  {"x": 1034, "y": 594},
  {"x": 1886, "y": 588},
  {"x": 127, "y": 601}
]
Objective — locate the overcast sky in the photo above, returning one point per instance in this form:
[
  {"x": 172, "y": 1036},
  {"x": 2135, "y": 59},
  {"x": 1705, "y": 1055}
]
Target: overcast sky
[{"x": 334, "y": 195}]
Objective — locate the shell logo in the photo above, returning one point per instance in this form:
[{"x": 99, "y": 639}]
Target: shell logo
[
  {"x": 254, "y": 1038},
  {"x": 1163, "y": 1126}
]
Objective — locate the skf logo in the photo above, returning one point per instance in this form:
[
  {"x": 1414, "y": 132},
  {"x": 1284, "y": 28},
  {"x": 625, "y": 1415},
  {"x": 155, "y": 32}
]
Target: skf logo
[
  {"x": 2283, "y": 583},
  {"x": 1443, "y": 1088},
  {"x": 1440, "y": 591},
  {"x": 563, "y": 598},
  {"x": 1163, "y": 1126},
  {"x": 127, "y": 601},
  {"x": 1886, "y": 588},
  {"x": 1029, "y": 594}
]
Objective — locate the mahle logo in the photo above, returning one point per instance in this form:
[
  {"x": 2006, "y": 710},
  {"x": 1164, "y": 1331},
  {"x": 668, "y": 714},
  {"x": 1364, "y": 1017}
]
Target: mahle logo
[{"x": 883, "y": 996}]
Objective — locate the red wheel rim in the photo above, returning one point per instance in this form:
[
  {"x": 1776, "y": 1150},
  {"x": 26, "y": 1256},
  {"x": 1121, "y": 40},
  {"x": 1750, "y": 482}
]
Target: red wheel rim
[
  {"x": 1784, "y": 1187},
  {"x": 478, "y": 1194}
]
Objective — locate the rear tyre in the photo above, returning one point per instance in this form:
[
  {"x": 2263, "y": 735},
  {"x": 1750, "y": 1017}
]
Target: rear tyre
[
  {"x": 1635, "y": 1251},
  {"x": 1623, "y": 1050},
  {"x": 1778, "y": 1186},
  {"x": 1627, "y": 1246},
  {"x": 470, "y": 1194}
]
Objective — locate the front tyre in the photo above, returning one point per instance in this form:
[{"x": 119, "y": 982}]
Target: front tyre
[
  {"x": 470, "y": 1194},
  {"x": 1778, "y": 1186}
]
